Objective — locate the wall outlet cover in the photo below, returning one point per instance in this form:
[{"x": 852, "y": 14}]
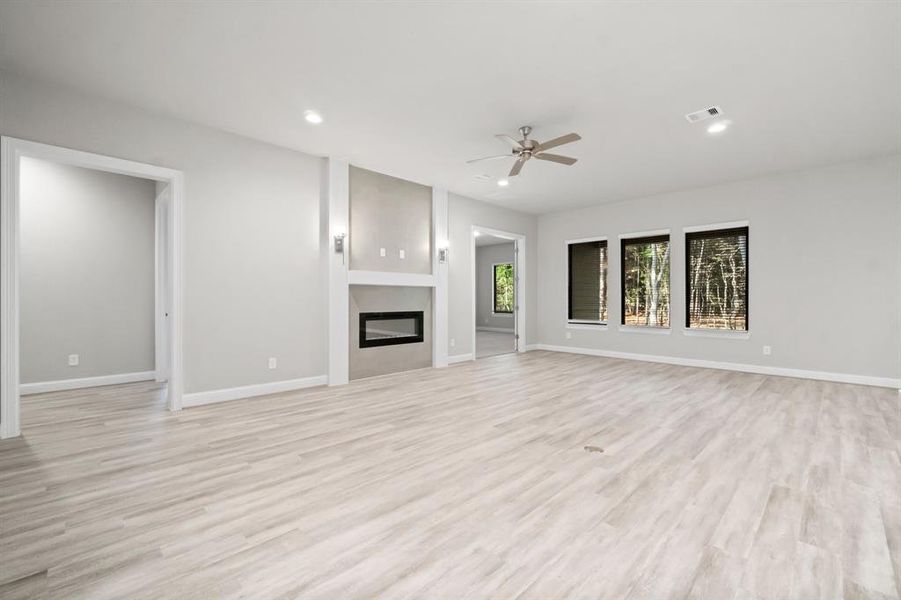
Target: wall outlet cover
[
  {"x": 453, "y": 342},
  {"x": 73, "y": 360},
  {"x": 273, "y": 363},
  {"x": 767, "y": 350},
  {"x": 402, "y": 254},
  {"x": 382, "y": 252},
  {"x": 569, "y": 335}
]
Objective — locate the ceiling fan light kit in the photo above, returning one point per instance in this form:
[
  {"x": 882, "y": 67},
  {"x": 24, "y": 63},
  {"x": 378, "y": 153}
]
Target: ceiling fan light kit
[{"x": 526, "y": 148}]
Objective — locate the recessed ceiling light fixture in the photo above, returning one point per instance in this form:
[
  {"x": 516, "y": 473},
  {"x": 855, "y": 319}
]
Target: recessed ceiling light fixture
[
  {"x": 312, "y": 117},
  {"x": 503, "y": 182},
  {"x": 718, "y": 127}
]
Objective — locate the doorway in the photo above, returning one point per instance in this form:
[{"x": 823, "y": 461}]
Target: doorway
[
  {"x": 166, "y": 190},
  {"x": 498, "y": 304}
]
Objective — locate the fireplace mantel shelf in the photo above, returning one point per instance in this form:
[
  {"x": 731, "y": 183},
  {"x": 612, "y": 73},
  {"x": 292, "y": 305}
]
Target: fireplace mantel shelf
[{"x": 390, "y": 278}]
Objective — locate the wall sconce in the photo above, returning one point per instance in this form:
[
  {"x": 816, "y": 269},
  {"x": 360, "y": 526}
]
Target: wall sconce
[
  {"x": 442, "y": 255},
  {"x": 339, "y": 242}
]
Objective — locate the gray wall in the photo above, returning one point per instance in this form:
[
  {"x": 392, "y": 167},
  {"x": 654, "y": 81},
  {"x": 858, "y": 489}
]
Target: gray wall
[
  {"x": 462, "y": 214},
  {"x": 87, "y": 272},
  {"x": 486, "y": 257},
  {"x": 253, "y": 284},
  {"x": 390, "y": 213},
  {"x": 379, "y": 360},
  {"x": 829, "y": 234}
]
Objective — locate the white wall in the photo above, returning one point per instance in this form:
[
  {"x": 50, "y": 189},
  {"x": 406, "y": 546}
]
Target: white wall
[
  {"x": 86, "y": 272},
  {"x": 825, "y": 269},
  {"x": 463, "y": 213},
  {"x": 253, "y": 284},
  {"x": 486, "y": 258}
]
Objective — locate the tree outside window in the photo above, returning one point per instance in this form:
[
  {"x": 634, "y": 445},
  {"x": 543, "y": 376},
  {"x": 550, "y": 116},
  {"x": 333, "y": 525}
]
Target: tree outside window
[
  {"x": 503, "y": 288},
  {"x": 645, "y": 281}
]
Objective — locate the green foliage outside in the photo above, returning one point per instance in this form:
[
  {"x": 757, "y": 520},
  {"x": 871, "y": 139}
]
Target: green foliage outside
[{"x": 503, "y": 288}]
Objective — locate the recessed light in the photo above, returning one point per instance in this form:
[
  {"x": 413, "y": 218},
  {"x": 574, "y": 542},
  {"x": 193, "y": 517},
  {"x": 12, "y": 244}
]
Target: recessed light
[
  {"x": 503, "y": 182},
  {"x": 312, "y": 117},
  {"x": 718, "y": 127}
]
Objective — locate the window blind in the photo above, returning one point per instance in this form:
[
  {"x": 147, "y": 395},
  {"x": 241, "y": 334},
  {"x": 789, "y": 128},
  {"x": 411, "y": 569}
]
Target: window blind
[
  {"x": 716, "y": 294},
  {"x": 588, "y": 281}
]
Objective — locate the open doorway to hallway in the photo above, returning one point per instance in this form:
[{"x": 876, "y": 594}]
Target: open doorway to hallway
[{"x": 496, "y": 297}]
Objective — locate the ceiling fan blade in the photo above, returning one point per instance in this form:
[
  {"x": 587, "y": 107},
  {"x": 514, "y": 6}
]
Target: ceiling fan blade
[
  {"x": 509, "y": 140},
  {"x": 517, "y": 167},
  {"x": 490, "y": 158},
  {"x": 563, "y": 160},
  {"x": 563, "y": 139}
]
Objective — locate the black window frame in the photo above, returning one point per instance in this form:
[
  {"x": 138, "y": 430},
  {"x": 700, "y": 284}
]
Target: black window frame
[
  {"x": 494, "y": 309},
  {"x": 649, "y": 239},
  {"x": 569, "y": 281},
  {"x": 714, "y": 233}
]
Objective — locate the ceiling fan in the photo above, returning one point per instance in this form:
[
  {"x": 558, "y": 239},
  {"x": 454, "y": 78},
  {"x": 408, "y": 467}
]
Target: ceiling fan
[{"x": 525, "y": 149}]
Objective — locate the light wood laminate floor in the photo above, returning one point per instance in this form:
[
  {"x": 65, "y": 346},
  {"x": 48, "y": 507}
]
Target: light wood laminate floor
[
  {"x": 466, "y": 482},
  {"x": 492, "y": 343}
]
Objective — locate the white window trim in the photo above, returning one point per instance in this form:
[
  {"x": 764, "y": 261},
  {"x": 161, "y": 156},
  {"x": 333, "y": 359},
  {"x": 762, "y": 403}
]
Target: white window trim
[
  {"x": 502, "y": 314},
  {"x": 641, "y": 234},
  {"x": 716, "y": 333},
  {"x": 652, "y": 329},
  {"x": 715, "y": 226},
  {"x": 582, "y": 323}
]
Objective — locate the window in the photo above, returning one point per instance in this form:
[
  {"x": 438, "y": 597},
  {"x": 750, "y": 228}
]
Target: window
[
  {"x": 645, "y": 281},
  {"x": 716, "y": 270},
  {"x": 587, "y": 276},
  {"x": 503, "y": 288}
]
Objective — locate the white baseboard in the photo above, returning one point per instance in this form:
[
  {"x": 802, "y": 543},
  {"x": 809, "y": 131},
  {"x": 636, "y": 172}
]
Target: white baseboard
[
  {"x": 495, "y": 329},
  {"x": 888, "y": 382},
  {"x": 84, "y": 382},
  {"x": 458, "y": 358},
  {"x": 250, "y": 391}
]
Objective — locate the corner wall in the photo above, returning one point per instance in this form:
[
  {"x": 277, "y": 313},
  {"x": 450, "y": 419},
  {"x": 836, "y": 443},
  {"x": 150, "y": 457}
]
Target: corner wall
[{"x": 824, "y": 270}]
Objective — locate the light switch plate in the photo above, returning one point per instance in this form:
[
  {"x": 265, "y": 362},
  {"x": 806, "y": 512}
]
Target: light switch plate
[
  {"x": 382, "y": 252},
  {"x": 402, "y": 254}
]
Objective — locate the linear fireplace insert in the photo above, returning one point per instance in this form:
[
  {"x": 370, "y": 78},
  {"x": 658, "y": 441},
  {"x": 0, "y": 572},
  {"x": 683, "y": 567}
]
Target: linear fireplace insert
[{"x": 390, "y": 328}]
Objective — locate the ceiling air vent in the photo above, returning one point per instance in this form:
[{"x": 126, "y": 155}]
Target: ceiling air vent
[{"x": 702, "y": 115}]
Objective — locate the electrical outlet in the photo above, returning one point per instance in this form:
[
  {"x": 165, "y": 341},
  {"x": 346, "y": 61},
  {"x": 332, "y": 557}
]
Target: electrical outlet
[
  {"x": 767, "y": 350},
  {"x": 382, "y": 252},
  {"x": 453, "y": 342},
  {"x": 402, "y": 254},
  {"x": 273, "y": 363},
  {"x": 569, "y": 335},
  {"x": 73, "y": 360}
]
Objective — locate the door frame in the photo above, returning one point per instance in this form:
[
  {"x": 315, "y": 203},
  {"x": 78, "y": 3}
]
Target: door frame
[
  {"x": 519, "y": 272},
  {"x": 12, "y": 150}
]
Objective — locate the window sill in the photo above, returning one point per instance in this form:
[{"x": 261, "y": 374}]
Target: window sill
[
  {"x": 586, "y": 326},
  {"x": 504, "y": 314},
  {"x": 645, "y": 329},
  {"x": 718, "y": 333}
]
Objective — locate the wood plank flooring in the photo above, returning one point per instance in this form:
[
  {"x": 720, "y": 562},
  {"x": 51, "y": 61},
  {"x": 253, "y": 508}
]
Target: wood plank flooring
[{"x": 466, "y": 482}]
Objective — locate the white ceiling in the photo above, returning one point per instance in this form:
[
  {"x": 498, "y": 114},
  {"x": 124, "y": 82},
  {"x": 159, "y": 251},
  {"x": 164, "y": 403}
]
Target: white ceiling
[{"x": 414, "y": 90}]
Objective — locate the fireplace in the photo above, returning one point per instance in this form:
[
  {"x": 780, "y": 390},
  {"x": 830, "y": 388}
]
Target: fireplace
[{"x": 390, "y": 328}]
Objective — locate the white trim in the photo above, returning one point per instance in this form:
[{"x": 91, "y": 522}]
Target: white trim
[
  {"x": 728, "y": 334},
  {"x": 519, "y": 270},
  {"x": 715, "y": 226},
  {"x": 440, "y": 272},
  {"x": 586, "y": 326},
  {"x": 597, "y": 238},
  {"x": 390, "y": 278},
  {"x": 641, "y": 234},
  {"x": 495, "y": 329},
  {"x": 458, "y": 358},
  {"x": 252, "y": 391},
  {"x": 334, "y": 211},
  {"x": 84, "y": 382},
  {"x": 11, "y": 151},
  {"x": 888, "y": 382},
  {"x": 645, "y": 329}
]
